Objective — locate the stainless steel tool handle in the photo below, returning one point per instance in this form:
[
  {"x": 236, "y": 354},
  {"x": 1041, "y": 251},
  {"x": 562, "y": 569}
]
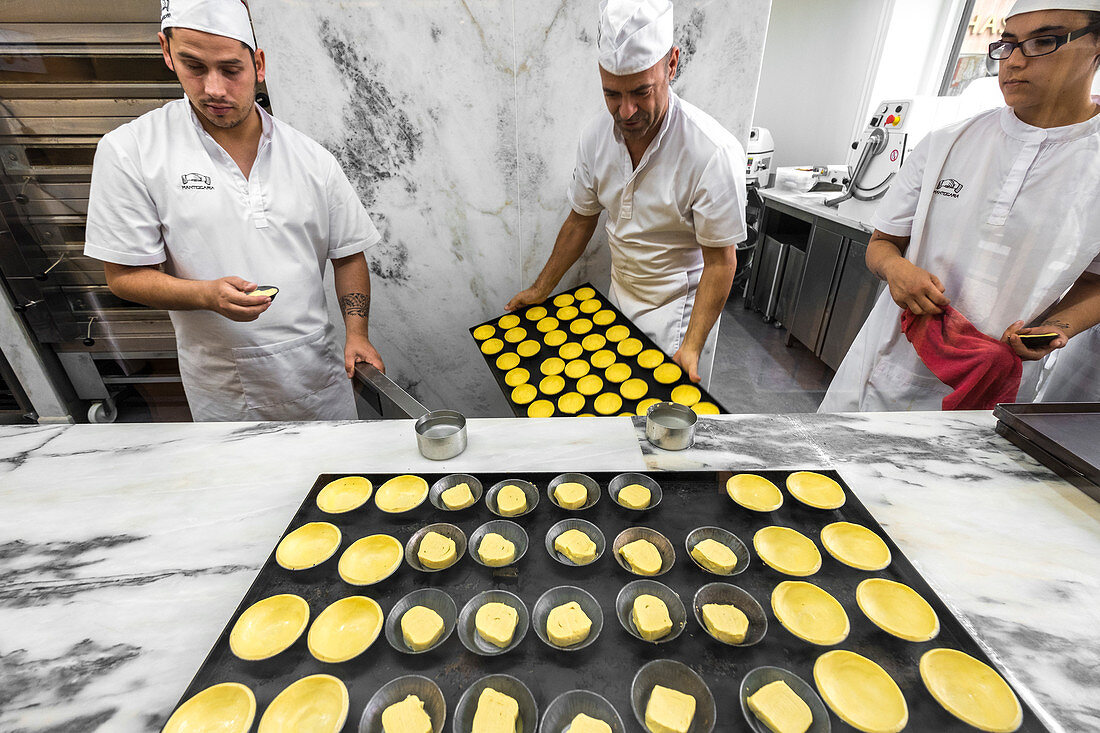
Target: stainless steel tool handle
[{"x": 375, "y": 382}]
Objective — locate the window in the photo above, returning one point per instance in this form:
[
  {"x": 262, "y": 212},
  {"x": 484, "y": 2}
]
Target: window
[{"x": 981, "y": 24}]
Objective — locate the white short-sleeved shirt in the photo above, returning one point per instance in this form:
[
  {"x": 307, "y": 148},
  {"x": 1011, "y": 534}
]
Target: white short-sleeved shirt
[
  {"x": 163, "y": 191},
  {"x": 688, "y": 190}
]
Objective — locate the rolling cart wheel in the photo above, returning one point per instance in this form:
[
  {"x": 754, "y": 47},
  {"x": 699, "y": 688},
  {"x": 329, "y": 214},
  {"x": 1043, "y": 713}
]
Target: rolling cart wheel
[{"x": 102, "y": 411}]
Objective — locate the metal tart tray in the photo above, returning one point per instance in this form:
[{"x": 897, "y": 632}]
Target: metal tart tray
[{"x": 690, "y": 500}]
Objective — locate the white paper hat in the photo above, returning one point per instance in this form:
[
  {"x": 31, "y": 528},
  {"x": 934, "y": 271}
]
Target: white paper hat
[
  {"x": 1030, "y": 6},
  {"x": 227, "y": 18},
  {"x": 634, "y": 34}
]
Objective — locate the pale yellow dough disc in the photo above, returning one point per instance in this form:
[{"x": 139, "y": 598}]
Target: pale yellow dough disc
[
  {"x": 508, "y": 361},
  {"x": 617, "y": 373},
  {"x": 535, "y": 314},
  {"x": 855, "y": 545},
  {"x": 897, "y": 609},
  {"x": 555, "y": 338},
  {"x": 546, "y": 325},
  {"x": 577, "y": 368},
  {"x": 528, "y": 348},
  {"x": 633, "y": 389},
  {"x": 584, "y": 293},
  {"x": 570, "y": 350},
  {"x": 516, "y": 377},
  {"x": 581, "y": 325},
  {"x": 686, "y": 394},
  {"x": 705, "y": 408},
  {"x": 815, "y": 490},
  {"x": 567, "y": 313},
  {"x": 515, "y": 335},
  {"x": 593, "y": 342},
  {"x": 551, "y": 366},
  {"x": 650, "y": 359},
  {"x": 602, "y": 359},
  {"x": 492, "y": 346},
  {"x": 603, "y": 318},
  {"x": 589, "y": 385},
  {"x": 541, "y": 408},
  {"x": 971, "y": 691},
  {"x": 754, "y": 492},
  {"x": 617, "y": 333},
  {"x": 345, "y": 629},
  {"x": 563, "y": 300},
  {"x": 229, "y": 707},
  {"x": 667, "y": 373},
  {"x": 608, "y": 403},
  {"x": 644, "y": 405},
  {"x": 484, "y": 331},
  {"x": 308, "y": 546},
  {"x": 787, "y": 550},
  {"x": 269, "y": 626},
  {"x": 524, "y": 393},
  {"x": 551, "y": 385},
  {"x": 860, "y": 692},
  {"x": 629, "y": 347},
  {"x": 344, "y": 494},
  {"x": 571, "y": 403},
  {"x": 810, "y": 613},
  {"x": 370, "y": 560},
  {"x": 320, "y": 699},
  {"x": 591, "y": 306},
  {"x": 508, "y": 321},
  {"x": 401, "y": 493}
]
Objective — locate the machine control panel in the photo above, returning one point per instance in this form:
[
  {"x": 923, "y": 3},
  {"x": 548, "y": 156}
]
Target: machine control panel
[{"x": 890, "y": 115}]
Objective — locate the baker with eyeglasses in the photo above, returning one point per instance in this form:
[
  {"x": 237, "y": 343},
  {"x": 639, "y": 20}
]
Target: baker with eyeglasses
[{"x": 997, "y": 217}]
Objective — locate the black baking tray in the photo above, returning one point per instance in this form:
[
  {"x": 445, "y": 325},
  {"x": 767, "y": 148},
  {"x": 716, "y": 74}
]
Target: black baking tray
[
  {"x": 531, "y": 364},
  {"x": 1063, "y": 436},
  {"x": 691, "y": 499}
]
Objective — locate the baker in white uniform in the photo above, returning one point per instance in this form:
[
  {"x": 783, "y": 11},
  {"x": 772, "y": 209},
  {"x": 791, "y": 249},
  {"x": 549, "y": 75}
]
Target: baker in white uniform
[
  {"x": 672, "y": 181},
  {"x": 195, "y": 204},
  {"x": 998, "y": 216}
]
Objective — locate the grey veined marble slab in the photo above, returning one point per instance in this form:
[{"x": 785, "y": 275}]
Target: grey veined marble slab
[{"x": 125, "y": 548}]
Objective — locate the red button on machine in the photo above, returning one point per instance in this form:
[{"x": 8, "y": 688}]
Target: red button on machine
[{"x": 892, "y": 120}]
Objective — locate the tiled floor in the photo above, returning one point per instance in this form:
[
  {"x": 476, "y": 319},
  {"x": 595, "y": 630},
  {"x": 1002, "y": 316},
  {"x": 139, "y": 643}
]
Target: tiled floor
[{"x": 755, "y": 372}]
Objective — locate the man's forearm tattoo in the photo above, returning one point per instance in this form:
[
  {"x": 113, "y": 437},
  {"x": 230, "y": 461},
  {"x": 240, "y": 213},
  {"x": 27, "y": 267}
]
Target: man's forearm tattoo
[
  {"x": 356, "y": 304},
  {"x": 1057, "y": 324}
]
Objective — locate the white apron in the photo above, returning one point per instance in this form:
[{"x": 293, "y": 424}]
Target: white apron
[
  {"x": 1025, "y": 231},
  {"x": 661, "y": 307}
]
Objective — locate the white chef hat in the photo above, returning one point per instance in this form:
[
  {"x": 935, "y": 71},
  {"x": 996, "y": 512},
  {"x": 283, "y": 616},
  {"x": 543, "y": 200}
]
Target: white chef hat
[
  {"x": 1030, "y": 6},
  {"x": 227, "y": 18},
  {"x": 634, "y": 34}
]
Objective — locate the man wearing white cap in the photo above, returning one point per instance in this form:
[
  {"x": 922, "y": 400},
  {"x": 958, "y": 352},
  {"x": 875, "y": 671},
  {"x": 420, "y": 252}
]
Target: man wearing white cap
[
  {"x": 196, "y": 204},
  {"x": 998, "y": 216},
  {"x": 673, "y": 183}
]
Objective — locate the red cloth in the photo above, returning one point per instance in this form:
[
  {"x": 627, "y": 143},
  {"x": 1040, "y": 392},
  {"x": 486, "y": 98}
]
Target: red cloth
[{"x": 983, "y": 370}]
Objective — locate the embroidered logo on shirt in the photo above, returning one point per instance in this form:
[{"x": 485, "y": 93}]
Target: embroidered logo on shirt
[
  {"x": 949, "y": 187},
  {"x": 196, "y": 181}
]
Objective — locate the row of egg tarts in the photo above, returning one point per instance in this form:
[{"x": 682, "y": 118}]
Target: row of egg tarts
[{"x": 590, "y": 363}]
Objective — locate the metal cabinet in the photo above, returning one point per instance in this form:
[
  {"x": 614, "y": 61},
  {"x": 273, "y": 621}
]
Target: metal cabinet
[
  {"x": 856, "y": 291},
  {"x": 807, "y": 321}
]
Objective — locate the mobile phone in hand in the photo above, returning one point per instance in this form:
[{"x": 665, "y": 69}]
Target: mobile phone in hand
[{"x": 1037, "y": 340}]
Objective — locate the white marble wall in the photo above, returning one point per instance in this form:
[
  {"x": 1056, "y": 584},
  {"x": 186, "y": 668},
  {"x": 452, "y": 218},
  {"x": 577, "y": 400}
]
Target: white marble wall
[{"x": 457, "y": 122}]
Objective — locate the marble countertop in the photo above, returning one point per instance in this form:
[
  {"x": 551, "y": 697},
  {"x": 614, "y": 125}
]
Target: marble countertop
[
  {"x": 850, "y": 213},
  {"x": 125, "y": 548}
]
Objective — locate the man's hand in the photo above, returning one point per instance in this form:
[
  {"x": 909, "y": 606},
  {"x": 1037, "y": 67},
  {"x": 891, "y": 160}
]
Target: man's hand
[
  {"x": 359, "y": 349},
  {"x": 918, "y": 290},
  {"x": 688, "y": 359},
  {"x": 1011, "y": 337},
  {"x": 530, "y": 296},
  {"x": 227, "y": 297}
]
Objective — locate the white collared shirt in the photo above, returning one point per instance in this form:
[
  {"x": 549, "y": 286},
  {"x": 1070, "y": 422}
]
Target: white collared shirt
[
  {"x": 688, "y": 190},
  {"x": 164, "y": 191}
]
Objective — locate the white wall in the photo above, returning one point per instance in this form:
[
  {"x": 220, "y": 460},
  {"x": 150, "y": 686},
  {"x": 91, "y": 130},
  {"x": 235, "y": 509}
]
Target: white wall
[{"x": 817, "y": 59}]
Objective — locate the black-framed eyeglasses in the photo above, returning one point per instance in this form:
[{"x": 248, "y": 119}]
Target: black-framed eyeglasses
[{"x": 1039, "y": 45}]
